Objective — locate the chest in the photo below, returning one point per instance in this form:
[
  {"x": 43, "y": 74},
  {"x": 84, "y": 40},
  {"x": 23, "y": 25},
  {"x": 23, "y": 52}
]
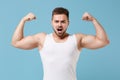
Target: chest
[{"x": 64, "y": 51}]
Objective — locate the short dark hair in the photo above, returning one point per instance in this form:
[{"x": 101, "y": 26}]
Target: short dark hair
[{"x": 60, "y": 10}]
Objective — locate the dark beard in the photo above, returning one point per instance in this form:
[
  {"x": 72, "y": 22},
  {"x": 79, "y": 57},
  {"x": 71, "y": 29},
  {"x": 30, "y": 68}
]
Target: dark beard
[{"x": 60, "y": 35}]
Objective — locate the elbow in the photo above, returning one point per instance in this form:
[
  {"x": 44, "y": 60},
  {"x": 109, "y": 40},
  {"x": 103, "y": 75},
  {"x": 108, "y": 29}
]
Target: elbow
[
  {"x": 14, "y": 44},
  {"x": 105, "y": 43},
  {"x": 108, "y": 42}
]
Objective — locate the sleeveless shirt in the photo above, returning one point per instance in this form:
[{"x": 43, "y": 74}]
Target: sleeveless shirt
[{"x": 59, "y": 59}]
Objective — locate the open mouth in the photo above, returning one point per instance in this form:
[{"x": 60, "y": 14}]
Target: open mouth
[{"x": 59, "y": 29}]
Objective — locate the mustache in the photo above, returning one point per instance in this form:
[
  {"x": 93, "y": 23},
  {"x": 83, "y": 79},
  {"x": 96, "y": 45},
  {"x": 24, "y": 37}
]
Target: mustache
[{"x": 59, "y": 26}]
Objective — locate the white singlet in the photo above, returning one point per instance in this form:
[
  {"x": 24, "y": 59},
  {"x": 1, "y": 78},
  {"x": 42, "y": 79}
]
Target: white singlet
[{"x": 59, "y": 59}]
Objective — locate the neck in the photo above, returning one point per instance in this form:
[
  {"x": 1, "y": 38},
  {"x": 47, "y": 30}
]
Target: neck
[{"x": 60, "y": 37}]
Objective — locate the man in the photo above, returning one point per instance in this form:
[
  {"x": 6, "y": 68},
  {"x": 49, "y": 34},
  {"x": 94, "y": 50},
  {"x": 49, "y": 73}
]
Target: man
[{"x": 60, "y": 50}]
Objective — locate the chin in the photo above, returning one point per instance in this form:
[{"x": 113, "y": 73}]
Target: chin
[{"x": 59, "y": 34}]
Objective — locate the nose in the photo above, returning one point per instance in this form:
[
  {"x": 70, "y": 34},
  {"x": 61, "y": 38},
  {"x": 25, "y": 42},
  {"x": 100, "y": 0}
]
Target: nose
[{"x": 59, "y": 24}]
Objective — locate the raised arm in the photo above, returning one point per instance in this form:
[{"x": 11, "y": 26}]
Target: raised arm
[
  {"x": 18, "y": 39},
  {"x": 91, "y": 41}
]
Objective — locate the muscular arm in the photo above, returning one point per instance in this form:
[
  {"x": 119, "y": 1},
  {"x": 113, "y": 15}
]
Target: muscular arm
[
  {"x": 91, "y": 41},
  {"x": 18, "y": 39}
]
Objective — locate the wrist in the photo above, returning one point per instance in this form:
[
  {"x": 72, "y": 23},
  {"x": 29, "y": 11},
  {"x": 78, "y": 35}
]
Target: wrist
[
  {"x": 23, "y": 20},
  {"x": 93, "y": 19}
]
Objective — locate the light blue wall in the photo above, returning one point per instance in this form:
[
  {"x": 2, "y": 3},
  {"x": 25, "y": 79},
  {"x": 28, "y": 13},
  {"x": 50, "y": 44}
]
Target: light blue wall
[{"x": 100, "y": 64}]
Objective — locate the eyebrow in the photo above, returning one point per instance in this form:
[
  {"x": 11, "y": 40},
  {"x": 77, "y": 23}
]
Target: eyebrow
[{"x": 59, "y": 20}]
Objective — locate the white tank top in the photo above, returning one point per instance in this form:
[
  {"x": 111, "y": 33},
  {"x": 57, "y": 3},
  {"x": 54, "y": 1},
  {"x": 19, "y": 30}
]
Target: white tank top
[{"x": 59, "y": 59}]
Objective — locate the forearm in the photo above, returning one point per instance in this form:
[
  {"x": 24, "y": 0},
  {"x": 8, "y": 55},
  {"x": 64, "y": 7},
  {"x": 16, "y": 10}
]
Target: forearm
[
  {"x": 100, "y": 32},
  {"x": 18, "y": 34}
]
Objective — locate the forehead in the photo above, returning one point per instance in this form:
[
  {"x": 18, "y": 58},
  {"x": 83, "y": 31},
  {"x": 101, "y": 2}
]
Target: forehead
[{"x": 59, "y": 17}]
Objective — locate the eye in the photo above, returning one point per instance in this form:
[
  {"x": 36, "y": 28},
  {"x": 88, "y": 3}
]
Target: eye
[
  {"x": 63, "y": 21},
  {"x": 56, "y": 21}
]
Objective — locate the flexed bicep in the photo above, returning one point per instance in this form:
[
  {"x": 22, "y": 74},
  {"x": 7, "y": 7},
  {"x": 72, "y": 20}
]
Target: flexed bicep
[
  {"x": 99, "y": 40},
  {"x": 91, "y": 42},
  {"x": 28, "y": 42},
  {"x": 18, "y": 39}
]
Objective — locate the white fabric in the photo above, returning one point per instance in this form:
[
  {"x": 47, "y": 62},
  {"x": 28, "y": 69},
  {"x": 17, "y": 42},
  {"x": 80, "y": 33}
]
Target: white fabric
[{"x": 59, "y": 59}]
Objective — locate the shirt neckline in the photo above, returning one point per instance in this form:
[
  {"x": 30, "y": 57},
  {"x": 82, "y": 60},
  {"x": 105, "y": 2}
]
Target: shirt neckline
[{"x": 59, "y": 42}]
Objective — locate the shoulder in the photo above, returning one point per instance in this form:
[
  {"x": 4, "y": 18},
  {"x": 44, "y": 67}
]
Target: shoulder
[
  {"x": 79, "y": 36},
  {"x": 40, "y": 35}
]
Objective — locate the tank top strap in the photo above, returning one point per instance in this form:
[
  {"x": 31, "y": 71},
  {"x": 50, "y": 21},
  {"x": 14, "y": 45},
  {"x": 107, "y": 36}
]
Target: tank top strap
[{"x": 72, "y": 38}]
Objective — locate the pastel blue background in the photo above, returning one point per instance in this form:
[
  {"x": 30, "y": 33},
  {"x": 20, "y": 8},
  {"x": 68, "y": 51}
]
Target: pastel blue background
[{"x": 100, "y": 64}]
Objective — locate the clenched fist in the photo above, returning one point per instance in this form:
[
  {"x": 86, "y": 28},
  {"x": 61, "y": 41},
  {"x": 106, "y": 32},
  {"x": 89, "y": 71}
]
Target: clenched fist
[
  {"x": 88, "y": 17},
  {"x": 29, "y": 16}
]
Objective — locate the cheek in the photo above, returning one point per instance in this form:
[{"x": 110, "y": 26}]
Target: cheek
[
  {"x": 65, "y": 26},
  {"x": 53, "y": 25}
]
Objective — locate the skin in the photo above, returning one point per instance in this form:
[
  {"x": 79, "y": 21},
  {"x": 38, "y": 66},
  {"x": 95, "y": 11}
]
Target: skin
[{"x": 61, "y": 22}]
